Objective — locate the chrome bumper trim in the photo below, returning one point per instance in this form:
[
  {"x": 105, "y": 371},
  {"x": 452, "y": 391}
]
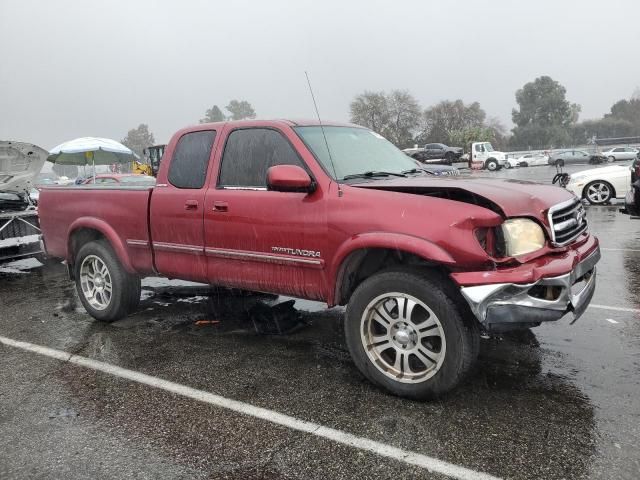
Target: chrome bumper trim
[{"x": 516, "y": 296}]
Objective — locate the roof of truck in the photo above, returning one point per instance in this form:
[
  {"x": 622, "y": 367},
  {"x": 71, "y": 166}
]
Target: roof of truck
[{"x": 290, "y": 122}]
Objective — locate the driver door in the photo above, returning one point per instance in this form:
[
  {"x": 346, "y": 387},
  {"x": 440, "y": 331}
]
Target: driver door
[{"x": 262, "y": 240}]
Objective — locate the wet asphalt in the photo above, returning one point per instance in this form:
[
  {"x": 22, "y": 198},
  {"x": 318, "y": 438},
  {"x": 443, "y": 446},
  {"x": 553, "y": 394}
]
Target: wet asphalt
[{"x": 560, "y": 401}]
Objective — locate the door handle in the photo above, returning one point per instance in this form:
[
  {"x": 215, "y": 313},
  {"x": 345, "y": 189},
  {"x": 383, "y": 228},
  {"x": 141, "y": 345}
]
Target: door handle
[
  {"x": 191, "y": 205},
  {"x": 220, "y": 206}
]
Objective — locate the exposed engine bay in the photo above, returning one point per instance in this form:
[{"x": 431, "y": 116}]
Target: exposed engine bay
[{"x": 20, "y": 235}]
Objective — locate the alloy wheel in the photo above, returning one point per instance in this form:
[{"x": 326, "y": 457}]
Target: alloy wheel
[
  {"x": 403, "y": 337},
  {"x": 598, "y": 192},
  {"x": 96, "y": 283}
]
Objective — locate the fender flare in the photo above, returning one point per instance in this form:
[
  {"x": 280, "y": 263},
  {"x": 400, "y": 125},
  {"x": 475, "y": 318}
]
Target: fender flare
[
  {"x": 108, "y": 232},
  {"x": 395, "y": 241}
]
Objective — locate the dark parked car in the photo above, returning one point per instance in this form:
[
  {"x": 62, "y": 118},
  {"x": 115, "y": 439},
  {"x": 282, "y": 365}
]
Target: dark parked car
[
  {"x": 632, "y": 200},
  {"x": 575, "y": 156},
  {"x": 438, "y": 153}
]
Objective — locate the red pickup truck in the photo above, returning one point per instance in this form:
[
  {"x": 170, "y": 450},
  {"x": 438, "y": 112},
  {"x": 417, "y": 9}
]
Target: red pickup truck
[{"x": 335, "y": 213}]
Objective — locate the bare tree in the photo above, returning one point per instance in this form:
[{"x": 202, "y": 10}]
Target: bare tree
[
  {"x": 404, "y": 118},
  {"x": 371, "y": 110}
]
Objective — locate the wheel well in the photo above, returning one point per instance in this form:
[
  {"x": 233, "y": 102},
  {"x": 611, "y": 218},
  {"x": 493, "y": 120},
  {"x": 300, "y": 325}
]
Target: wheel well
[
  {"x": 361, "y": 264},
  {"x": 613, "y": 190},
  {"x": 79, "y": 237}
]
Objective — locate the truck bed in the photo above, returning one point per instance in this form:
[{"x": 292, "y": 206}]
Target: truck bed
[{"x": 121, "y": 213}]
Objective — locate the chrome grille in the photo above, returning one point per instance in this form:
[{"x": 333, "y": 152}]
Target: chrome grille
[{"x": 568, "y": 220}]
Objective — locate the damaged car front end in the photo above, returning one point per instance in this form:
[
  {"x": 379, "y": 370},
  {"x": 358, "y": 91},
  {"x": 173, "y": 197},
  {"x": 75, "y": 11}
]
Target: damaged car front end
[
  {"x": 544, "y": 288},
  {"x": 20, "y": 235}
]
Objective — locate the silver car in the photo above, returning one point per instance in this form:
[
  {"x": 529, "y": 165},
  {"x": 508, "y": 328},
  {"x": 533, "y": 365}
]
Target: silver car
[
  {"x": 620, "y": 153},
  {"x": 574, "y": 156}
]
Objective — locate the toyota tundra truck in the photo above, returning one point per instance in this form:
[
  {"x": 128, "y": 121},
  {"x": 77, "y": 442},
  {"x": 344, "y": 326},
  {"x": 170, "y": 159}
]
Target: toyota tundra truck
[{"x": 335, "y": 213}]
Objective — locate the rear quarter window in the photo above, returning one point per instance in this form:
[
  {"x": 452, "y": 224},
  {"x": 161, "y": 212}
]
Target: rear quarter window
[{"x": 190, "y": 159}]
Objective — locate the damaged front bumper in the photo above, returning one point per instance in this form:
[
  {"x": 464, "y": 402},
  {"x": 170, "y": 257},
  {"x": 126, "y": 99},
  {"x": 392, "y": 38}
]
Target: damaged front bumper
[
  {"x": 504, "y": 306},
  {"x": 20, "y": 235}
]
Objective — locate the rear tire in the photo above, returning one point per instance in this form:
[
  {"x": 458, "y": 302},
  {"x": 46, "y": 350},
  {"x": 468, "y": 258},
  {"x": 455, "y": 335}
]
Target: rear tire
[
  {"x": 107, "y": 291},
  {"x": 407, "y": 335},
  {"x": 559, "y": 163}
]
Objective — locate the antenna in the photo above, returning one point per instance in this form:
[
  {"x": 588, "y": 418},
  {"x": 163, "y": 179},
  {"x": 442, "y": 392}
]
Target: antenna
[{"x": 315, "y": 105}]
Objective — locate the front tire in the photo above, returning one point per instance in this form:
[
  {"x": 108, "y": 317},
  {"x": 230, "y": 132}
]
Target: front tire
[
  {"x": 611, "y": 159},
  {"x": 107, "y": 291},
  {"x": 559, "y": 163},
  {"x": 492, "y": 165},
  {"x": 598, "y": 192},
  {"x": 448, "y": 157},
  {"x": 407, "y": 335}
]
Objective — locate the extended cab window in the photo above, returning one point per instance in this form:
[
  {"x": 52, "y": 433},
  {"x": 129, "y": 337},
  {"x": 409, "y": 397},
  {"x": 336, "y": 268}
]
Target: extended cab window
[
  {"x": 250, "y": 152},
  {"x": 188, "y": 167}
]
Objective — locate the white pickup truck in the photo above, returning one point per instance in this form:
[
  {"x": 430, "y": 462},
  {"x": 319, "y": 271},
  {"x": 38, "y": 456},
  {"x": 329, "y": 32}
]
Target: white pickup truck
[{"x": 482, "y": 155}]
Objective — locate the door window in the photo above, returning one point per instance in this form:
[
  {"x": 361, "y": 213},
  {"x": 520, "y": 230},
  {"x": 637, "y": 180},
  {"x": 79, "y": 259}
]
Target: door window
[
  {"x": 190, "y": 159},
  {"x": 250, "y": 152}
]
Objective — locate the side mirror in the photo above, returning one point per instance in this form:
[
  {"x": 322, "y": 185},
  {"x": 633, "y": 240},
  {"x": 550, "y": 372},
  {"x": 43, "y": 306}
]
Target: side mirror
[{"x": 289, "y": 178}]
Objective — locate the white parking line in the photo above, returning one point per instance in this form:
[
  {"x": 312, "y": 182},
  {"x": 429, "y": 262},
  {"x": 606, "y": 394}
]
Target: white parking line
[
  {"x": 611, "y": 320},
  {"x": 338, "y": 436},
  {"x": 617, "y": 309}
]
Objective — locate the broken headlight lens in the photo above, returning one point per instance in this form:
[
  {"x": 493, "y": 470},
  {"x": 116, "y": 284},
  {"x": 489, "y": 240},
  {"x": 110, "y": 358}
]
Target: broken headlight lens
[{"x": 521, "y": 236}]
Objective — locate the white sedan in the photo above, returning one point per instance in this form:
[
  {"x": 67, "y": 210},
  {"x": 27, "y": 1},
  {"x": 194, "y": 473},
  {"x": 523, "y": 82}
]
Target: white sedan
[
  {"x": 600, "y": 185},
  {"x": 533, "y": 160}
]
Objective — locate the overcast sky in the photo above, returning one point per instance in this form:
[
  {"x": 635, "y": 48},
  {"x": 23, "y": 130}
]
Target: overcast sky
[{"x": 84, "y": 68}]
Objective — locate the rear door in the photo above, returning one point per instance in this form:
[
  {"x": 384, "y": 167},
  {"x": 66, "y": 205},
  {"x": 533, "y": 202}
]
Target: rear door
[
  {"x": 258, "y": 239},
  {"x": 177, "y": 208}
]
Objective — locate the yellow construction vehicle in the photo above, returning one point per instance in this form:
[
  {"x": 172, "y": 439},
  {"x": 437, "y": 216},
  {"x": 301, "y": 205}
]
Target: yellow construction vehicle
[{"x": 141, "y": 168}]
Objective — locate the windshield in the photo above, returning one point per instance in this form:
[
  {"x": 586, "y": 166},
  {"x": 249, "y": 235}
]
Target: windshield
[
  {"x": 488, "y": 147},
  {"x": 354, "y": 150}
]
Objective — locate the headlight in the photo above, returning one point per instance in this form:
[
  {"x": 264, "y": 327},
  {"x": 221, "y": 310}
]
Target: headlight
[{"x": 521, "y": 236}]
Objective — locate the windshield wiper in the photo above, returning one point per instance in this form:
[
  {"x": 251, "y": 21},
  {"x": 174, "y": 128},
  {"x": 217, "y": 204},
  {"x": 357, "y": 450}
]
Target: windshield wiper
[
  {"x": 417, "y": 170},
  {"x": 373, "y": 173}
]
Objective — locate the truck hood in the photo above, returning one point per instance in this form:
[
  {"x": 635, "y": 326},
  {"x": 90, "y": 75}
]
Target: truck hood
[
  {"x": 511, "y": 198},
  {"x": 20, "y": 164}
]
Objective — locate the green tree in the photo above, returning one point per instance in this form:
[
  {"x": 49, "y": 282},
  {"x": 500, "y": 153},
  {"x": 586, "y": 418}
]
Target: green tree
[
  {"x": 404, "y": 118},
  {"x": 371, "y": 110},
  {"x": 240, "y": 110},
  {"x": 628, "y": 110},
  {"x": 446, "y": 117},
  {"x": 536, "y": 136},
  {"x": 464, "y": 136},
  {"x": 214, "y": 114},
  {"x": 139, "y": 138},
  {"x": 544, "y": 115},
  {"x": 608, "y": 127}
]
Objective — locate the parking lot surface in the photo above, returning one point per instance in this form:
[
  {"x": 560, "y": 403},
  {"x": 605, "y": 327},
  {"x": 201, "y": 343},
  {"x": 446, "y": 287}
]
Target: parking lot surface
[{"x": 559, "y": 401}]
